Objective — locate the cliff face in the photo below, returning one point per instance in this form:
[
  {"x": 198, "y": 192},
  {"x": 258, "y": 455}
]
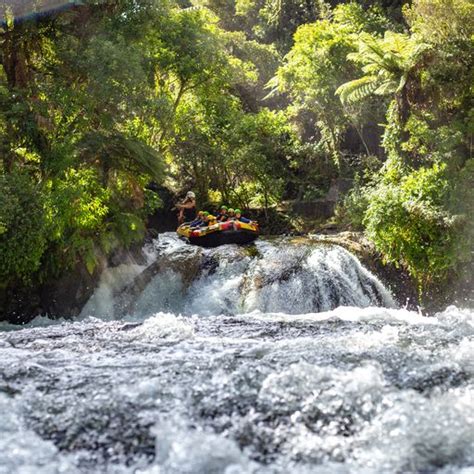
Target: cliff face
[{"x": 61, "y": 298}]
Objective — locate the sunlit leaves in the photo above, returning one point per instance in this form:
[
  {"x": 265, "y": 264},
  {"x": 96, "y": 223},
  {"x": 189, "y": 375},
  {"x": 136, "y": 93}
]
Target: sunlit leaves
[
  {"x": 386, "y": 63},
  {"x": 116, "y": 151},
  {"x": 441, "y": 21},
  {"x": 408, "y": 223},
  {"x": 316, "y": 66}
]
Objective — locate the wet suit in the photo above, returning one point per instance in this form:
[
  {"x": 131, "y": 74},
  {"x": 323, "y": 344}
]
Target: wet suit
[
  {"x": 189, "y": 214},
  {"x": 244, "y": 220}
]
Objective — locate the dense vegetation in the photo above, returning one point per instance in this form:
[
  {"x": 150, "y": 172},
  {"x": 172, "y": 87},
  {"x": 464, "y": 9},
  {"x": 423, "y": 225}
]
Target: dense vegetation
[{"x": 250, "y": 102}]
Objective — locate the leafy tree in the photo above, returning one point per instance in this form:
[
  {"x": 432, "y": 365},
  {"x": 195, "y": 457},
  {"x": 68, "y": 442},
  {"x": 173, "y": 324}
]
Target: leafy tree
[
  {"x": 242, "y": 156},
  {"x": 415, "y": 209},
  {"x": 275, "y": 21},
  {"x": 410, "y": 225},
  {"x": 441, "y": 21},
  {"x": 317, "y": 65},
  {"x": 23, "y": 228}
]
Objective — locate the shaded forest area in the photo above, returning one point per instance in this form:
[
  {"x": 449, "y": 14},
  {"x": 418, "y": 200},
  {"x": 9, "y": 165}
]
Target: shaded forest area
[{"x": 247, "y": 102}]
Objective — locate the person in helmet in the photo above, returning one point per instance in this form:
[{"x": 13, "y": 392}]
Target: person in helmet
[
  {"x": 205, "y": 219},
  {"x": 240, "y": 217},
  {"x": 222, "y": 216},
  {"x": 230, "y": 214},
  {"x": 187, "y": 208},
  {"x": 211, "y": 220},
  {"x": 200, "y": 219}
]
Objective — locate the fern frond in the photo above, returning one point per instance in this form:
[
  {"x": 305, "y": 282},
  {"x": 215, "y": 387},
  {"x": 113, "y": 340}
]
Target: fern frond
[
  {"x": 385, "y": 88},
  {"x": 273, "y": 85},
  {"x": 356, "y": 90},
  {"x": 122, "y": 153}
]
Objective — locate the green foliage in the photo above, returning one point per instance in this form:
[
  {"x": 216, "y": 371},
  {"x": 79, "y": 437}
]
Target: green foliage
[
  {"x": 68, "y": 93},
  {"x": 316, "y": 67},
  {"x": 312, "y": 71},
  {"x": 275, "y": 21},
  {"x": 355, "y": 205},
  {"x": 386, "y": 63},
  {"x": 409, "y": 224},
  {"x": 461, "y": 205},
  {"x": 118, "y": 152},
  {"x": 241, "y": 156},
  {"x": 417, "y": 209},
  {"x": 441, "y": 21},
  {"x": 23, "y": 228},
  {"x": 76, "y": 210}
]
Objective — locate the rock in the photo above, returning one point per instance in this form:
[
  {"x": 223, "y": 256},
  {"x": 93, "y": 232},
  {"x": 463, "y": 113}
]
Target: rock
[
  {"x": 66, "y": 296},
  {"x": 316, "y": 209},
  {"x": 63, "y": 297},
  {"x": 188, "y": 264}
]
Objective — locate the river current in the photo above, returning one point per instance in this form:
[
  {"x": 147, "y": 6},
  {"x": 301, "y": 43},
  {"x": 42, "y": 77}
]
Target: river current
[{"x": 286, "y": 357}]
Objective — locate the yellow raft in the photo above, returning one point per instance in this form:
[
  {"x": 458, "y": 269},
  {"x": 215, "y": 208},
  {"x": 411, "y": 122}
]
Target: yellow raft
[{"x": 230, "y": 232}]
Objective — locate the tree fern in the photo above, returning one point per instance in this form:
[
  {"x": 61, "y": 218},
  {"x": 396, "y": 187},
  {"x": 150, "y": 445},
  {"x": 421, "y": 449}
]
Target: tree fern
[
  {"x": 119, "y": 152},
  {"x": 357, "y": 90},
  {"x": 386, "y": 63}
]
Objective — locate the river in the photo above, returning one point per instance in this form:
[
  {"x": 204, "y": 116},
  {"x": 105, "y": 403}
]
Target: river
[{"x": 285, "y": 357}]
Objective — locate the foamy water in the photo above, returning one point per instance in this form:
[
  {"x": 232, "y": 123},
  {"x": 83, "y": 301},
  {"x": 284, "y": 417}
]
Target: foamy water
[{"x": 246, "y": 387}]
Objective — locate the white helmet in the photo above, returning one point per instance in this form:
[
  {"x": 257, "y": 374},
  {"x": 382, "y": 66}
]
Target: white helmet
[{"x": 190, "y": 194}]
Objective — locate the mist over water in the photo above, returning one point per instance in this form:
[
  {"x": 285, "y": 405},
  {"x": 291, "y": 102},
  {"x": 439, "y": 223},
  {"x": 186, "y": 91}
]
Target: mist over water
[{"x": 287, "y": 358}]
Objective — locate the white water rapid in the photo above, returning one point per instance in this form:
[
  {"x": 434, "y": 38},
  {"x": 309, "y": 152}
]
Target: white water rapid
[{"x": 287, "y": 357}]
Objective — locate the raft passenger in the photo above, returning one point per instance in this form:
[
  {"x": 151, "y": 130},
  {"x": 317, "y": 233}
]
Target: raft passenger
[
  {"x": 211, "y": 220},
  {"x": 230, "y": 214},
  {"x": 222, "y": 216},
  {"x": 205, "y": 220},
  {"x": 240, "y": 217},
  {"x": 199, "y": 221}
]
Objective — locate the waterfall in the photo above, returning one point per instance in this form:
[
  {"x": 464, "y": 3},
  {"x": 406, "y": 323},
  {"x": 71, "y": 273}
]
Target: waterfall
[{"x": 273, "y": 276}]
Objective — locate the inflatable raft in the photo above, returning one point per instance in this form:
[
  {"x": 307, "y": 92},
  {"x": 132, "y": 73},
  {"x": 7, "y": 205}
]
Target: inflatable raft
[{"x": 232, "y": 232}]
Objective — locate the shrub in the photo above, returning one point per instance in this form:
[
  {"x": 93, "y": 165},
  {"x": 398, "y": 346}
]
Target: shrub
[{"x": 409, "y": 224}]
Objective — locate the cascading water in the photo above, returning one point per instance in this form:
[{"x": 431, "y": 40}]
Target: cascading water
[
  {"x": 286, "y": 357},
  {"x": 277, "y": 276}
]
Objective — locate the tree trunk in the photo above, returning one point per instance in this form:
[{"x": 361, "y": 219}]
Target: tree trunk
[
  {"x": 403, "y": 106},
  {"x": 15, "y": 58}
]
